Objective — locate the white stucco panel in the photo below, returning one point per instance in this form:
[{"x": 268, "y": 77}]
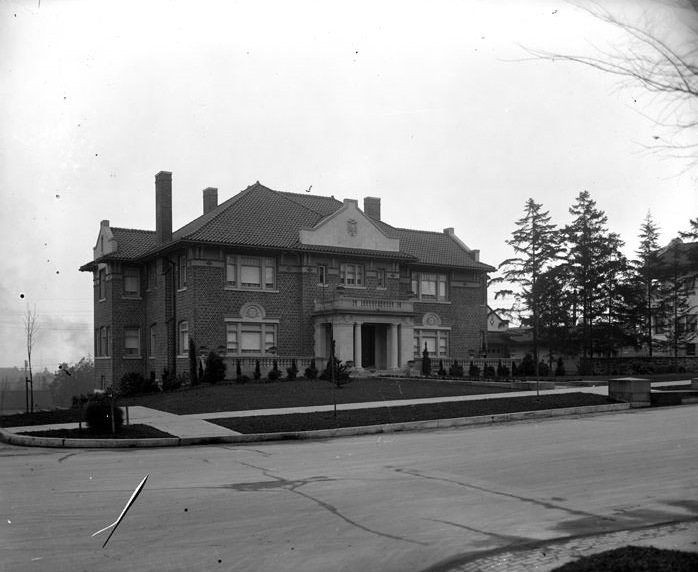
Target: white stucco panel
[{"x": 349, "y": 227}]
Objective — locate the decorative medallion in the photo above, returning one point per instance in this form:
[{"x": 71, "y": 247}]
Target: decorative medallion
[{"x": 352, "y": 227}]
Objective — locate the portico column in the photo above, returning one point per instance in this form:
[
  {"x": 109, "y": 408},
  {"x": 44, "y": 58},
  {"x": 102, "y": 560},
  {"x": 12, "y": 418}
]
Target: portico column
[
  {"x": 357, "y": 345},
  {"x": 393, "y": 350}
]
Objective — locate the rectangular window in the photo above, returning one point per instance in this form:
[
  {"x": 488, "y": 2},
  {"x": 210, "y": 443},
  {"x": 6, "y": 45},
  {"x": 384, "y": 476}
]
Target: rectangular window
[
  {"x": 183, "y": 338},
  {"x": 351, "y": 274},
  {"x": 102, "y": 279},
  {"x": 436, "y": 342},
  {"x": 322, "y": 274},
  {"x": 103, "y": 346},
  {"x": 253, "y": 272},
  {"x": 250, "y": 338},
  {"x": 182, "y": 272},
  {"x": 429, "y": 286},
  {"x": 153, "y": 340},
  {"x": 380, "y": 278},
  {"x": 132, "y": 282},
  {"x": 691, "y": 349},
  {"x": 132, "y": 341}
]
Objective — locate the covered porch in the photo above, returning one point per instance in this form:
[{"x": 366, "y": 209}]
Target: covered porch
[{"x": 372, "y": 334}]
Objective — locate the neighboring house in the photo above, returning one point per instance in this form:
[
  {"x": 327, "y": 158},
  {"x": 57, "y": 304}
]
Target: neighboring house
[
  {"x": 676, "y": 326},
  {"x": 276, "y": 275}
]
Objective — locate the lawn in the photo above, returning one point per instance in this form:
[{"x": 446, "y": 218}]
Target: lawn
[
  {"x": 241, "y": 397},
  {"x": 406, "y": 413},
  {"x": 126, "y": 432}
]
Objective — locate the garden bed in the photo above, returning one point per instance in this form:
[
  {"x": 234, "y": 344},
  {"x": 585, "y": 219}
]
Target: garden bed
[
  {"x": 406, "y": 413},
  {"x": 126, "y": 432}
]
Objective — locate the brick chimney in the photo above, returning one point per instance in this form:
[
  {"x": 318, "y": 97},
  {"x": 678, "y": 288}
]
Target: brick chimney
[
  {"x": 372, "y": 207},
  {"x": 163, "y": 207},
  {"x": 210, "y": 199}
]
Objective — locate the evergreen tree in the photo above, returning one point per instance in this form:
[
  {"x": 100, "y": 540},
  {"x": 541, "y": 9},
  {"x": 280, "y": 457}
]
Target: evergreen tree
[
  {"x": 536, "y": 243},
  {"x": 647, "y": 269},
  {"x": 593, "y": 259}
]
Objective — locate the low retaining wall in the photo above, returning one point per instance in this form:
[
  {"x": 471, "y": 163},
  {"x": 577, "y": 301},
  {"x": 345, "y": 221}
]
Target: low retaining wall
[{"x": 634, "y": 391}]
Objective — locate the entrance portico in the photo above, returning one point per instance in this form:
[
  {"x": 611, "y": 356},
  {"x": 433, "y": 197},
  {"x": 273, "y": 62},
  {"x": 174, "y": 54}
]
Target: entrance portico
[{"x": 373, "y": 334}]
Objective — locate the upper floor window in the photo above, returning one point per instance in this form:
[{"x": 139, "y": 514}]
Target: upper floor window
[
  {"x": 351, "y": 274},
  {"x": 132, "y": 282},
  {"x": 102, "y": 282},
  {"x": 254, "y": 272},
  {"x": 132, "y": 342},
  {"x": 322, "y": 274},
  {"x": 182, "y": 272},
  {"x": 380, "y": 278},
  {"x": 429, "y": 286}
]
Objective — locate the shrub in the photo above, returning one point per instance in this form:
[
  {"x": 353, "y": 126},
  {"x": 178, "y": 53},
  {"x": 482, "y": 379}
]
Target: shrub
[
  {"x": 215, "y": 368},
  {"x": 543, "y": 369},
  {"x": 527, "y": 366},
  {"x": 489, "y": 372},
  {"x": 79, "y": 401},
  {"x": 455, "y": 370},
  {"x": 311, "y": 371},
  {"x": 502, "y": 370},
  {"x": 340, "y": 373},
  {"x": 257, "y": 373},
  {"x": 560, "y": 369},
  {"x": 133, "y": 383},
  {"x": 238, "y": 372},
  {"x": 98, "y": 416},
  {"x": 442, "y": 371},
  {"x": 292, "y": 371},
  {"x": 473, "y": 370},
  {"x": 274, "y": 374}
]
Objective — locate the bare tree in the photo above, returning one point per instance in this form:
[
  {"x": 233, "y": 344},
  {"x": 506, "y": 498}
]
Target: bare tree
[
  {"x": 31, "y": 328},
  {"x": 660, "y": 60}
]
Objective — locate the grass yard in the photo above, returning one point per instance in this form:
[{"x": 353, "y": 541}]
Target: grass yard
[
  {"x": 635, "y": 559},
  {"x": 126, "y": 432},
  {"x": 406, "y": 413},
  {"x": 298, "y": 393}
]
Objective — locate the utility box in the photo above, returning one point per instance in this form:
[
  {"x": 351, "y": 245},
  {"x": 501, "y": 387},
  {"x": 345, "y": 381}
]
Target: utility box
[{"x": 631, "y": 390}]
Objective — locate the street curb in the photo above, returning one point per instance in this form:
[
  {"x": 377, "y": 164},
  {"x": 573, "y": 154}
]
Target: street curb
[{"x": 29, "y": 441}]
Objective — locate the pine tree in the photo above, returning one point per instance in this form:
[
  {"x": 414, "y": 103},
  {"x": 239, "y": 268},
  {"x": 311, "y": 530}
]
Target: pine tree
[
  {"x": 647, "y": 268},
  {"x": 594, "y": 258},
  {"x": 536, "y": 243}
]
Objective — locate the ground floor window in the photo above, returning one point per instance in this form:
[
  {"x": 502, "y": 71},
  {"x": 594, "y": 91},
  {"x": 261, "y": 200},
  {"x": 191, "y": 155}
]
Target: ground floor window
[
  {"x": 250, "y": 338},
  {"x": 436, "y": 341},
  {"x": 183, "y": 338},
  {"x": 103, "y": 341},
  {"x": 132, "y": 341}
]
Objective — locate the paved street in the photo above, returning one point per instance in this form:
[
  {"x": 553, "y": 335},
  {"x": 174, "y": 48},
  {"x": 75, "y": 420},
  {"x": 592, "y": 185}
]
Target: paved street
[{"x": 405, "y": 501}]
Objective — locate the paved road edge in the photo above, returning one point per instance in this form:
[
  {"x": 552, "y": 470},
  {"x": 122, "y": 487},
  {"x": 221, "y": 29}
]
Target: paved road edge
[{"x": 30, "y": 441}]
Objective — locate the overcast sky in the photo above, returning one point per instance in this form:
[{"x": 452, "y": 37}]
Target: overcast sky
[{"x": 431, "y": 105}]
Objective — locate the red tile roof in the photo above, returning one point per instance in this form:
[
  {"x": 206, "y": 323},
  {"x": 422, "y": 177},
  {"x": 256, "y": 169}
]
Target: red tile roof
[{"x": 263, "y": 218}]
